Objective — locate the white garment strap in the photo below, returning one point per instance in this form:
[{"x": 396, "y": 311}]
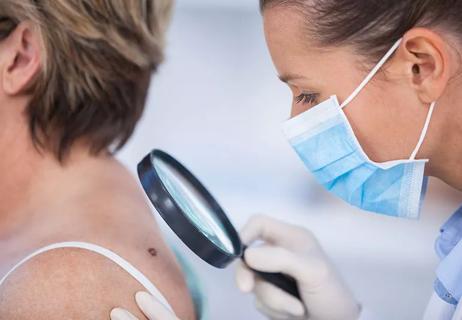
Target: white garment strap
[
  {"x": 372, "y": 74},
  {"x": 135, "y": 273},
  {"x": 424, "y": 131}
]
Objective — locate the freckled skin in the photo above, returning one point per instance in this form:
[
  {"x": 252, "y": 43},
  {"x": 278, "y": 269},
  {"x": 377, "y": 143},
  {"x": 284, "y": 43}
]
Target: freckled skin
[{"x": 73, "y": 284}]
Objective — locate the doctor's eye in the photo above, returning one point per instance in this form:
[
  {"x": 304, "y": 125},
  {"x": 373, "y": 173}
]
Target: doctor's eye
[{"x": 307, "y": 98}]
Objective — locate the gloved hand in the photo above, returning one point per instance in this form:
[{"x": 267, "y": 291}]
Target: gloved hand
[
  {"x": 151, "y": 307},
  {"x": 293, "y": 251}
]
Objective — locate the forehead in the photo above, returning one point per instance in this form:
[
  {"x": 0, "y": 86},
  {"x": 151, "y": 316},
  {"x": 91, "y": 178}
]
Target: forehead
[
  {"x": 294, "y": 51},
  {"x": 285, "y": 25},
  {"x": 288, "y": 41}
]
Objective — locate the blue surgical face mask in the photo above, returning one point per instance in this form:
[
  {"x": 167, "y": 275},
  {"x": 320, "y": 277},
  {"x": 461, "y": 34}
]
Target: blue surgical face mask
[{"x": 324, "y": 140}]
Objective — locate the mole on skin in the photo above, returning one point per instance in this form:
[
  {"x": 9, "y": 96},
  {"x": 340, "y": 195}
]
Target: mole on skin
[{"x": 152, "y": 252}]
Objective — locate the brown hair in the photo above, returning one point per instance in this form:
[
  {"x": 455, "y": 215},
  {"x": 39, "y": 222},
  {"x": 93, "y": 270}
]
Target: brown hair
[
  {"x": 372, "y": 26},
  {"x": 97, "y": 61}
]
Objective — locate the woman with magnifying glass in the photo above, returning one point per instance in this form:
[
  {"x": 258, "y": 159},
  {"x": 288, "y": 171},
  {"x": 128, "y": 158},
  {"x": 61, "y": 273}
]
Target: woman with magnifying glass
[{"x": 373, "y": 82}]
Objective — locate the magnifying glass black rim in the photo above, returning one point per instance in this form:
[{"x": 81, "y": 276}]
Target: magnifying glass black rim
[{"x": 178, "y": 220}]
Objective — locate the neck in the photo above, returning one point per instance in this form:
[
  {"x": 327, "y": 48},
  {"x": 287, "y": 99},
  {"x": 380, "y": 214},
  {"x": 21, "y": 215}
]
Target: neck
[
  {"x": 20, "y": 167},
  {"x": 446, "y": 156},
  {"x": 30, "y": 178}
]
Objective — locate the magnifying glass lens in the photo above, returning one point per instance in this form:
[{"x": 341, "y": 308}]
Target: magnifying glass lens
[{"x": 193, "y": 204}]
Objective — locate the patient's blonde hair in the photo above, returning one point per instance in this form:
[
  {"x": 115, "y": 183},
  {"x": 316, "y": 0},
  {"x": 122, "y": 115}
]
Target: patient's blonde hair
[{"x": 98, "y": 56}]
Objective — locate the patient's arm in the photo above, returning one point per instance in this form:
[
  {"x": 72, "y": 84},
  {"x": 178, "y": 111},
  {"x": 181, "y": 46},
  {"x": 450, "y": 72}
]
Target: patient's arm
[{"x": 71, "y": 284}]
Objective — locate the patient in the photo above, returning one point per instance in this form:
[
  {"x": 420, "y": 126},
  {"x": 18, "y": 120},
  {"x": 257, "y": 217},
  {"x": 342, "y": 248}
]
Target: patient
[{"x": 73, "y": 81}]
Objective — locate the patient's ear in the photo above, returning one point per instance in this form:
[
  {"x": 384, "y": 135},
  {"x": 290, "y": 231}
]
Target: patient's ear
[{"x": 20, "y": 59}]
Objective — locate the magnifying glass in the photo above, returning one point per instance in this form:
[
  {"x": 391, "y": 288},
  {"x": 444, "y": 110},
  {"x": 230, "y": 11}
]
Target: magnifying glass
[{"x": 196, "y": 217}]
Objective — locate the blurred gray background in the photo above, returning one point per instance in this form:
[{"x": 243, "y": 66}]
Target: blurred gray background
[{"x": 217, "y": 106}]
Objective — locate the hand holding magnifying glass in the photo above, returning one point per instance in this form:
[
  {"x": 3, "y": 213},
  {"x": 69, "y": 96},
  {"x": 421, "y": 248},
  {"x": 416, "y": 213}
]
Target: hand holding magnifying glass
[
  {"x": 199, "y": 221},
  {"x": 196, "y": 217}
]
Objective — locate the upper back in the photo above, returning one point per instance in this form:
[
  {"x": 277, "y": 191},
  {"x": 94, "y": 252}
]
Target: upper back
[{"x": 110, "y": 211}]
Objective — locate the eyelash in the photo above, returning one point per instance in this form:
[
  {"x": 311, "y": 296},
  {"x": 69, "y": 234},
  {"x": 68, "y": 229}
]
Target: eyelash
[{"x": 307, "y": 98}]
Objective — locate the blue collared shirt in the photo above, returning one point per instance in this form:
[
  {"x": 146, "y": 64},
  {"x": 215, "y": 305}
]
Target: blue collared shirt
[{"x": 448, "y": 247}]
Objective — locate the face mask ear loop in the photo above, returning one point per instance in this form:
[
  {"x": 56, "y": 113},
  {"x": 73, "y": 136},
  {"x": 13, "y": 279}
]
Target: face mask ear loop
[
  {"x": 371, "y": 74},
  {"x": 424, "y": 132}
]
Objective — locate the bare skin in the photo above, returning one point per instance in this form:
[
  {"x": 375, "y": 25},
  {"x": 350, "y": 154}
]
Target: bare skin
[
  {"x": 389, "y": 114},
  {"x": 88, "y": 198},
  {"x": 105, "y": 208}
]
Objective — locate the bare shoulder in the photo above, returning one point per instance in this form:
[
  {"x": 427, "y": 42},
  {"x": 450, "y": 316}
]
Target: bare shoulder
[
  {"x": 75, "y": 283},
  {"x": 67, "y": 284},
  {"x": 123, "y": 221}
]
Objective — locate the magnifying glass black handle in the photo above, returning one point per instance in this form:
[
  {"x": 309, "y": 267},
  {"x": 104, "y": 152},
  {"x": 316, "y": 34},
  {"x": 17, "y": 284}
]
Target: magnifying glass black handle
[{"x": 280, "y": 280}]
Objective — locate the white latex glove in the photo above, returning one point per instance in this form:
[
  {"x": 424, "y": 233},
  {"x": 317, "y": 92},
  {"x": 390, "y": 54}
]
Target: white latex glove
[
  {"x": 151, "y": 307},
  {"x": 293, "y": 251}
]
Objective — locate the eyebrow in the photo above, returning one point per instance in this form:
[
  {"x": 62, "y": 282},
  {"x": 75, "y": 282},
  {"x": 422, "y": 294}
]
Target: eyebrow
[{"x": 288, "y": 77}]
